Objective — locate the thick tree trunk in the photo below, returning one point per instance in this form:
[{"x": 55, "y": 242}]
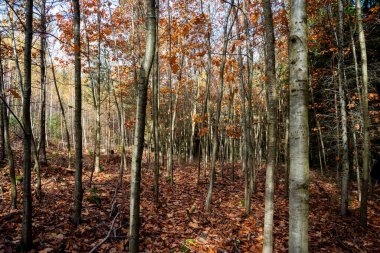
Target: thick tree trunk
[
  {"x": 138, "y": 146},
  {"x": 366, "y": 121},
  {"x": 272, "y": 102},
  {"x": 27, "y": 239},
  {"x": 298, "y": 129},
  {"x": 78, "y": 193}
]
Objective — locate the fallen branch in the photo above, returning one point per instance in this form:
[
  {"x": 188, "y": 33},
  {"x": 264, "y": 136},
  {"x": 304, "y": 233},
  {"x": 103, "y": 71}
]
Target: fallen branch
[{"x": 107, "y": 236}]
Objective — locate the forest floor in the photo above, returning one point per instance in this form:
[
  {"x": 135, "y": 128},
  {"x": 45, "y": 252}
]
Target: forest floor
[{"x": 170, "y": 227}]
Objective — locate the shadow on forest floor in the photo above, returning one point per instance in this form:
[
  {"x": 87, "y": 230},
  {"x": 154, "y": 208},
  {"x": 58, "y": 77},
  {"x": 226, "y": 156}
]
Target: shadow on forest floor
[{"x": 179, "y": 224}]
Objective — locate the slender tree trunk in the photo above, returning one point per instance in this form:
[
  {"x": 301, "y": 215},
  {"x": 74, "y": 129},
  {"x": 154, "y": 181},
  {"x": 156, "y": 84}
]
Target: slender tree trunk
[
  {"x": 27, "y": 239},
  {"x": 42, "y": 144},
  {"x": 14, "y": 49},
  {"x": 298, "y": 129},
  {"x": 156, "y": 87},
  {"x": 366, "y": 121},
  {"x": 356, "y": 164},
  {"x": 78, "y": 193},
  {"x": 272, "y": 102},
  {"x": 218, "y": 111},
  {"x": 244, "y": 130},
  {"x": 342, "y": 98},
  {"x": 97, "y": 167},
  {"x": 37, "y": 167},
  {"x": 67, "y": 134},
  {"x": 7, "y": 143},
  {"x": 2, "y": 108},
  {"x": 138, "y": 146},
  {"x": 171, "y": 128},
  {"x": 2, "y": 119}
]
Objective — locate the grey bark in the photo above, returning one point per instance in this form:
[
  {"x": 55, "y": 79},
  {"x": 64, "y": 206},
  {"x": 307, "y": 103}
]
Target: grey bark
[
  {"x": 272, "y": 102},
  {"x": 366, "y": 121},
  {"x": 138, "y": 147},
  {"x": 343, "y": 112},
  {"x": 298, "y": 129}
]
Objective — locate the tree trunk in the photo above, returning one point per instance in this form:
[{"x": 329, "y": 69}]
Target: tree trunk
[
  {"x": 156, "y": 138},
  {"x": 171, "y": 128},
  {"x": 298, "y": 129},
  {"x": 78, "y": 193},
  {"x": 138, "y": 146},
  {"x": 7, "y": 143},
  {"x": 27, "y": 239},
  {"x": 42, "y": 144},
  {"x": 244, "y": 130},
  {"x": 14, "y": 49},
  {"x": 342, "y": 98},
  {"x": 97, "y": 167},
  {"x": 218, "y": 111},
  {"x": 67, "y": 134},
  {"x": 366, "y": 122},
  {"x": 272, "y": 102}
]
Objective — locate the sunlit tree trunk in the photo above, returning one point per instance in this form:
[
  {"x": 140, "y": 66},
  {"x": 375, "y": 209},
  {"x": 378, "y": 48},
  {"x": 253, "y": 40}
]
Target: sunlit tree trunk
[
  {"x": 97, "y": 140},
  {"x": 272, "y": 103},
  {"x": 366, "y": 121},
  {"x": 138, "y": 147},
  {"x": 298, "y": 129},
  {"x": 78, "y": 193},
  {"x": 26, "y": 239},
  {"x": 342, "y": 99},
  {"x": 358, "y": 88}
]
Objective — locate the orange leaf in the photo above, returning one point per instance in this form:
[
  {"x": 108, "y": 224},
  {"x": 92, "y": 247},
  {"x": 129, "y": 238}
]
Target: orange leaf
[
  {"x": 14, "y": 93},
  {"x": 175, "y": 68}
]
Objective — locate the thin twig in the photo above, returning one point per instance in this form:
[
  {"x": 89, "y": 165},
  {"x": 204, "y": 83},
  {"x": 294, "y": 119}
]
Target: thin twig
[{"x": 107, "y": 236}]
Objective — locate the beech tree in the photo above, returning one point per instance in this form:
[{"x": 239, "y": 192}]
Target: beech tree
[
  {"x": 138, "y": 143},
  {"x": 271, "y": 90},
  {"x": 298, "y": 129},
  {"x": 366, "y": 121}
]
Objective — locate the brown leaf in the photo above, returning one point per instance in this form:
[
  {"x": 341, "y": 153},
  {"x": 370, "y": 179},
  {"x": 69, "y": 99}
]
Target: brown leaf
[
  {"x": 193, "y": 224},
  {"x": 47, "y": 250}
]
